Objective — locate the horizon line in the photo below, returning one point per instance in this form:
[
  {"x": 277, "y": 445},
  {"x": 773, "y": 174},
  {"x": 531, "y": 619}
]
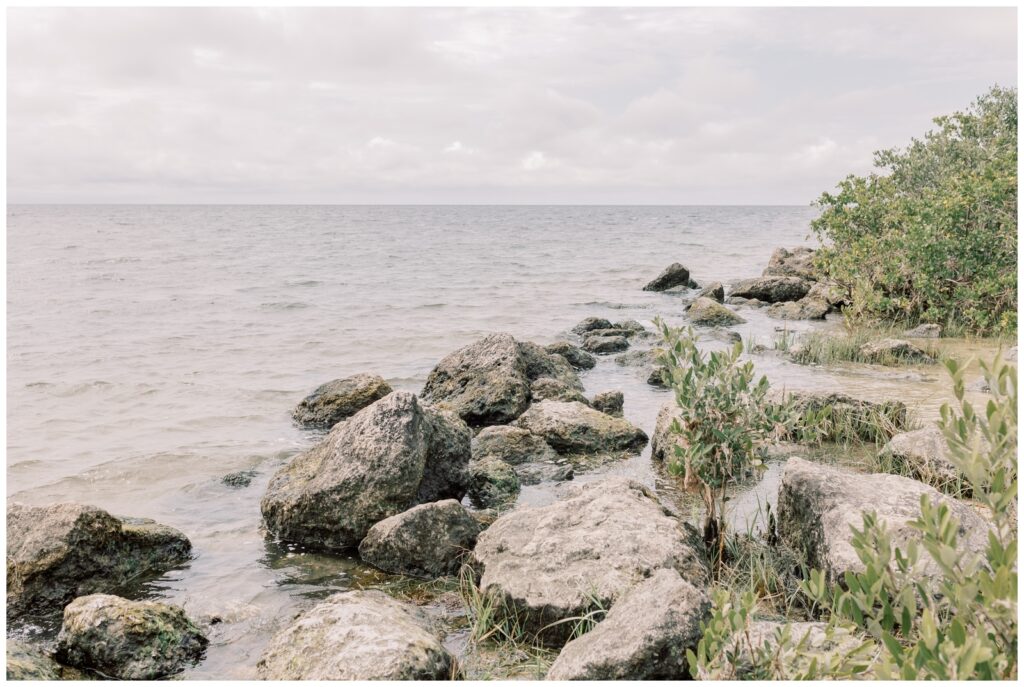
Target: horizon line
[{"x": 235, "y": 204}]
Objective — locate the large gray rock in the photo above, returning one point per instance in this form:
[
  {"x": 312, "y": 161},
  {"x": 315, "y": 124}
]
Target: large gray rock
[
  {"x": 887, "y": 351},
  {"x": 707, "y": 312},
  {"x": 488, "y": 382},
  {"x": 128, "y": 640},
  {"x": 25, "y": 662},
  {"x": 575, "y": 428},
  {"x": 334, "y": 401},
  {"x": 772, "y": 289},
  {"x": 818, "y": 504},
  {"x": 830, "y": 292},
  {"x": 715, "y": 291},
  {"x": 926, "y": 454},
  {"x": 672, "y": 276},
  {"x": 358, "y": 635},
  {"x": 58, "y": 552},
  {"x": 562, "y": 561},
  {"x": 429, "y": 540},
  {"x": 798, "y": 262},
  {"x": 644, "y": 637},
  {"x": 513, "y": 445},
  {"x": 384, "y": 460},
  {"x": 804, "y": 309},
  {"x": 574, "y": 355},
  {"x": 611, "y": 343},
  {"x": 493, "y": 483}
]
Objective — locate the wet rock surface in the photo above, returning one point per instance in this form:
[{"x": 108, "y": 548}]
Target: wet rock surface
[
  {"x": 337, "y": 400},
  {"x": 672, "y": 276},
  {"x": 599, "y": 343},
  {"x": 576, "y": 428},
  {"x": 609, "y": 403},
  {"x": 429, "y": 540},
  {"x": 25, "y": 662},
  {"x": 715, "y": 291},
  {"x": 358, "y": 635},
  {"x": 492, "y": 483},
  {"x": 574, "y": 355},
  {"x": 772, "y": 289},
  {"x": 709, "y": 313},
  {"x": 590, "y": 324}
]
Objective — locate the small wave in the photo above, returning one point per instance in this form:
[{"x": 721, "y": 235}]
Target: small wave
[
  {"x": 38, "y": 385},
  {"x": 296, "y": 305},
  {"x": 303, "y": 282},
  {"x": 430, "y": 306},
  {"x": 615, "y": 306}
]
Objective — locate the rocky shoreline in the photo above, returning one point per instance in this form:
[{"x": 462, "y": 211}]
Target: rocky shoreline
[{"x": 425, "y": 485}]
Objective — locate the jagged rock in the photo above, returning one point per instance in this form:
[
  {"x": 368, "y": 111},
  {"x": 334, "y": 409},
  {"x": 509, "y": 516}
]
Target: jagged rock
[
  {"x": 574, "y": 355},
  {"x": 239, "y": 480},
  {"x": 590, "y": 324},
  {"x": 673, "y": 275},
  {"x": 926, "y": 454},
  {"x": 358, "y": 635},
  {"x": 817, "y": 645},
  {"x": 513, "y": 445},
  {"x": 659, "y": 377},
  {"x": 576, "y": 428},
  {"x": 644, "y": 637},
  {"x": 605, "y": 344},
  {"x": 721, "y": 334},
  {"x": 631, "y": 326},
  {"x": 561, "y": 561},
  {"x": 128, "y": 640},
  {"x": 384, "y": 460},
  {"x": 924, "y": 331},
  {"x": 488, "y": 382},
  {"x": 58, "y": 552},
  {"x": 886, "y": 350},
  {"x": 705, "y": 311},
  {"x": 548, "y": 388},
  {"x": 639, "y": 358},
  {"x": 335, "y": 401},
  {"x": 803, "y": 309},
  {"x": 819, "y": 504},
  {"x": 663, "y": 440},
  {"x": 25, "y": 662},
  {"x": 829, "y": 292},
  {"x": 609, "y": 402},
  {"x": 798, "y": 262},
  {"x": 429, "y": 540},
  {"x": 493, "y": 483},
  {"x": 867, "y": 420},
  {"x": 715, "y": 291},
  {"x": 546, "y": 471},
  {"x": 772, "y": 289}
]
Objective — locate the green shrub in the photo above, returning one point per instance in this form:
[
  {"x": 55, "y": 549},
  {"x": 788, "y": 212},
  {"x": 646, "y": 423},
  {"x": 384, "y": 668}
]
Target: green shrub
[{"x": 933, "y": 237}]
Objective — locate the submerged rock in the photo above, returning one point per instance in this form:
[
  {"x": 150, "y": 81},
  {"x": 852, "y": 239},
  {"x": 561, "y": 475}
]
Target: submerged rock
[
  {"x": 128, "y": 640},
  {"x": 563, "y": 560},
  {"x": 25, "y": 662},
  {"x": 384, "y": 460},
  {"x": 819, "y": 504},
  {"x": 715, "y": 291},
  {"x": 513, "y": 445},
  {"x": 58, "y": 552},
  {"x": 576, "y": 428},
  {"x": 493, "y": 483},
  {"x": 574, "y": 355},
  {"x": 798, "y": 262},
  {"x": 644, "y": 637},
  {"x": 590, "y": 324},
  {"x": 358, "y": 635},
  {"x": 238, "y": 480},
  {"x": 886, "y": 350},
  {"x": 337, "y": 400},
  {"x": 707, "y": 312},
  {"x": 547, "y": 471},
  {"x": 609, "y": 402},
  {"x": 926, "y": 455},
  {"x": 804, "y": 309},
  {"x": 924, "y": 331},
  {"x": 605, "y": 344},
  {"x": 772, "y": 289},
  {"x": 429, "y": 540},
  {"x": 672, "y": 276}
]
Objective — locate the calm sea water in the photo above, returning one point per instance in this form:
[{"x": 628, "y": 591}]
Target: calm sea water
[{"x": 152, "y": 350}]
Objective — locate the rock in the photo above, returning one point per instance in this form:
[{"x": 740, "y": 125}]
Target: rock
[
  {"x": 673, "y": 275},
  {"x": 25, "y": 662},
  {"x": 803, "y": 309},
  {"x": 560, "y": 561},
  {"x": 548, "y": 388},
  {"x": 886, "y": 351},
  {"x": 358, "y": 635},
  {"x": 817, "y": 645},
  {"x": 488, "y": 382},
  {"x": 819, "y": 504},
  {"x": 605, "y": 344},
  {"x": 546, "y": 471},
  {"x": 644, "y": 637},
  {"x": 663, "y": 440},
  {"x": 239, "y": 480},
  {"x": 58, "y": 552},
  {"x": 631, "y": 326},
  {"x": 705, "y": 311},
  {"x": 426, "y": 541},
  {"x": 335, "y": 401},
  {"x": 926, "y": 454},
  {"x": 590, "y": 324},
  {"x": 829, "y": 292},
  {"x": 613, "y": 331},
  {"x": 493, "y": 483},
  {"x": 798, "y": 262},
  {"x": 659, "y": 377},
  {"x": 513, "y": 445},
  {"x": 384, "y": 460},
  {"x": 609, "y": 403},
  {"x": 924, "y": 331},
  {"x": 715, "y": 291},
  {"x": 868, "y": 420},
  {"x": 726, "y": 335},
  {"x": 749, "y": 302},
  {"x": 576, "y": 428},
  {"x": 574, "y": 355},
  {"x": 128, "y": 640},
  {"x": 639, "y": 358},
  {"x": 772, "y": 289}
]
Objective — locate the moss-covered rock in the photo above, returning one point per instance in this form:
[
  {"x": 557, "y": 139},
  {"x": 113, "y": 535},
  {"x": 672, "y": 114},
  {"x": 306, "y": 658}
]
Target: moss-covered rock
[
  {"x": 493, "y": 483},
  {"x": 337, "y": 400},
  {"x": 426, "y": 541}
]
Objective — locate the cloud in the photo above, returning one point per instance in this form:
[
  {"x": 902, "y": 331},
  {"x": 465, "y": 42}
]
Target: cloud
[{"x": 687, "y": 105}]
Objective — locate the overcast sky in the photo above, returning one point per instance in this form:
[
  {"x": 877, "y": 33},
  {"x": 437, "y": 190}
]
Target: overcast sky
[{"x": 478, "y": 105}]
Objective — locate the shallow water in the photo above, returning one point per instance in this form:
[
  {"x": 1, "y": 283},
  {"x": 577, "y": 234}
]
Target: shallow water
[{"x": 152, "y": 350}]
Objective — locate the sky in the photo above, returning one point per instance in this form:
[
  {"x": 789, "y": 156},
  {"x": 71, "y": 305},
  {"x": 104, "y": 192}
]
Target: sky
[{"x": 606, "y": 106}]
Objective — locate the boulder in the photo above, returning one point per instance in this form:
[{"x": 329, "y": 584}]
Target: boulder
[
  {"x": 819, "y": 504},
  {"x": 574, "y": 355},
  {"x": 659, "y": 377},
  {"x": 513, "y": 445},
  {"x": 562, "y": 561},
  {"x": 868, "y": 420},
  {"x": 58, "y": 552},
  {"x": 924, "y": 331},
  {"x": 556, "y": 390},
  {"x": 385, "y": 459},
  {"x": 609, "y": 402},
  {"x": 804, "y": 309},
  {"x": 590, "y": 324},
  {"x": 798, "y": 262},
  {"x": 638, "y": 358},
  {"x": 645, "y": 636},
  {"x": 631, "y": 326},
  {"x": 886, "y": 351},
  {"x": 672, "y": 276},
  {"x": 772, "y": 289},
  {"x": 715, "y": 291},
  {"x": 488, "y": 382},
  {"x": 707, "y": 312},
  {"x": 926, "y": 454},
  {"x": 546, "y": 471},
  {"x": 25, "y": 662},
  {"x": 830, "y": 292},
  {"x": 335, "y": 401},
  {"x": 605, "y": 344},
  {"x": 763, "y": 635},
  {"x": 358, "y": 635},
  {"x": 128, "y": 640},
  {"x": 429, "y": 540},
  {"x": 575, "y": 428},
  {"x": 663, "y": 440},
  {"x": 493, "y": 483}
]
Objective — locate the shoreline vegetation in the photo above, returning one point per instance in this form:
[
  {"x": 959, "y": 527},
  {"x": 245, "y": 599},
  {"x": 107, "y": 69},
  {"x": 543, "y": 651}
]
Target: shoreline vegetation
[{"x": 889, "y": 552}]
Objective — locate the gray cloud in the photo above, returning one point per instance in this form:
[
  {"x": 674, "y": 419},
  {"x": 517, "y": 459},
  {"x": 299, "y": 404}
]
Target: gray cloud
[{"x": 479, "y": 105}]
